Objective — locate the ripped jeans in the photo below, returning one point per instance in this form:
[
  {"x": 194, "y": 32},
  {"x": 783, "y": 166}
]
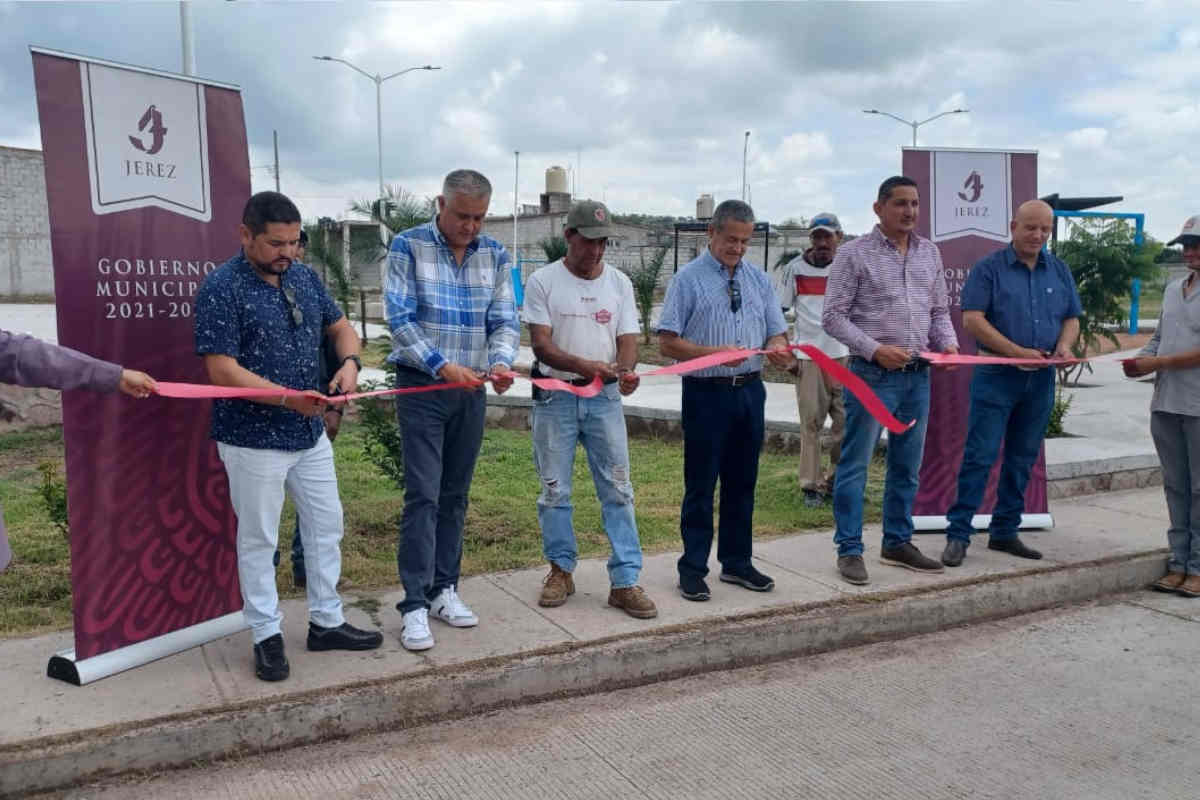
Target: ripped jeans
[{"x": 560, "y": 421}]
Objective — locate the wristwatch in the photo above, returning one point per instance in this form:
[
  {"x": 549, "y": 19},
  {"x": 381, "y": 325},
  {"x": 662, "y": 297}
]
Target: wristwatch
[{"x": 357, "y": 361}]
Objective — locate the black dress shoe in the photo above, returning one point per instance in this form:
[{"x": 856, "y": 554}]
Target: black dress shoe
[
  {"x": 955, "y": 552},
  {"x": 749, "y": 578},
  {"x": 1014, "y": 546},
  {"x": 270, "y": 664},
  {"x": 343, "y": 637},
  {"x": 693, "y": 588}
]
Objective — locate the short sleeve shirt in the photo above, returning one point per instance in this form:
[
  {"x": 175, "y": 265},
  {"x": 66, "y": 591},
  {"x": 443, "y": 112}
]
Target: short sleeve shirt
[
  {"x": 1027, "y": 306},
  {"x": 585, "y": 317},
  {"x": 239, "y": 314},
  {"x": 699, "y": 307}
]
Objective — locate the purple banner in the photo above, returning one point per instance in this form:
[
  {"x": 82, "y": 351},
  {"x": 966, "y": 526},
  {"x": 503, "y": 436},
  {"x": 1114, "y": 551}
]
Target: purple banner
[
  {"x": 968, "y": 198},
  {"x": 146, "y": 175}
]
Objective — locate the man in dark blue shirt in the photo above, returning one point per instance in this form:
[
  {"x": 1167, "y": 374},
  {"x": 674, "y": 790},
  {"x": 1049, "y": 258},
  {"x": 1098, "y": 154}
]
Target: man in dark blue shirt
[
  {"x": 259, "y": 322},
  {"x": 1019, "y": 302}
]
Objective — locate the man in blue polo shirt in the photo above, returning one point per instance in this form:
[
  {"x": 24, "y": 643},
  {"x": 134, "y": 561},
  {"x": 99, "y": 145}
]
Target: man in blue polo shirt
[
  {"x": 720, "y": 302},
  {"x": 1019, "y": 302},
  {"x": 448, "y": 298},
  {"x": 259, "y": 321}
]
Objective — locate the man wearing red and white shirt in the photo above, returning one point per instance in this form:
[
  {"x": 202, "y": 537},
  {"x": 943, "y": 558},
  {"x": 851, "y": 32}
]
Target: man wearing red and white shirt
[
  {"x": 817, "y": 395},
  {"x": 886, "y": 300}
]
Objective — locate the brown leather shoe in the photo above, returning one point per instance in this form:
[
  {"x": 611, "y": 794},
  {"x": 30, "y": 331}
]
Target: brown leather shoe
[
  {"x": 1169, "y": 582},
  {"x": 1190, "y": 587},
  {"x": 556, "y": 588},
  {"x": 633, "y": 601}
]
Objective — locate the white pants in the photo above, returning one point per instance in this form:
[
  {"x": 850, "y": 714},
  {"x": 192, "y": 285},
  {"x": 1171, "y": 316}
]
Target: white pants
[{"x": 257, "y": 479}]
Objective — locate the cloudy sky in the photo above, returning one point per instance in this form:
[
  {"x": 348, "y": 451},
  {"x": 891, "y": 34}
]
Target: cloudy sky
[{"x": 648, "y": 102}]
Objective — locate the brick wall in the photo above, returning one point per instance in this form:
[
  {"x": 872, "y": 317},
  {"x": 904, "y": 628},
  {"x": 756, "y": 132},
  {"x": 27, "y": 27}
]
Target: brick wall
[{"x": 25, "y": 266}]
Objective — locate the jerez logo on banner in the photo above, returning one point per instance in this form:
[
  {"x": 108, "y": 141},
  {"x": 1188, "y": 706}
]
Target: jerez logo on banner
[
  {"x": 147, "y": 139},
  {"x": 972, "y": 195}
]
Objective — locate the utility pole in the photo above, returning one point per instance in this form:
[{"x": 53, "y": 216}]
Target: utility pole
[
  {"x": 745, "y": 148},
  {"x": 275, "y": 136},
  {"x": 516, "y": 183},
  {"x": 185, "y": 34}
]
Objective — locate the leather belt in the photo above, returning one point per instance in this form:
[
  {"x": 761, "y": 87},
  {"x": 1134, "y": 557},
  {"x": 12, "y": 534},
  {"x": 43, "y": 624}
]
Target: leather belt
[{"x": 727, "y": 380}]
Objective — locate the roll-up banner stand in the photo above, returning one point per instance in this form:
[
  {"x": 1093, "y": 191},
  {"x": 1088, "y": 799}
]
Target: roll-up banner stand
[{"x": 146, "y": 176}]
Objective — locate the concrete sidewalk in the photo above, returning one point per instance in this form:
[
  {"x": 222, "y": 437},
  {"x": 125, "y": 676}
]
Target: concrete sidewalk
[{"x": 207, "y": 704}]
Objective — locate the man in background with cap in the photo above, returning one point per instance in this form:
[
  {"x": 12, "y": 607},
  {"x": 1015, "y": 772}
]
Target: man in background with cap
[
  {"x": 583, "y": 325},
  {"x": 817, "y": 395},
  {"x": 1174, "y": 353},
  {"x": 1018, "y": 302}
]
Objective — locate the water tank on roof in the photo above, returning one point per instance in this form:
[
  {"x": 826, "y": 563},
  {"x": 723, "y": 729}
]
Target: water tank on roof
[
  {"x": 556, "y": 180},
  {"x": 704, "y": 206}
]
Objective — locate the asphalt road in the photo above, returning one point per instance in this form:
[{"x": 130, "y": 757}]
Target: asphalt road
[{"x": 1096, "y": 701}]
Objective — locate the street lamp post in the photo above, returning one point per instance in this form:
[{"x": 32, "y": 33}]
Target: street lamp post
[
  {"x": 913, "y": 123},
  {"x": 745, "y": 147},
  {"x": 378, "y": 80}
]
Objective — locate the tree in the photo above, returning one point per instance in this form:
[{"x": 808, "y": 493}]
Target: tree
[
  {"x": 555, "y": 247},
  {"x": 645, "y": 284},
  {"x": 398, "y": 209},
  {"x": 1103, "y": 260},
  {"x": 320, "y": 252}
]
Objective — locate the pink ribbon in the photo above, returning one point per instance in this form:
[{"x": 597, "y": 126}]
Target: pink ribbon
[
  {"x": 852, "y": 382},
  {"x": 958, "y": 359}
]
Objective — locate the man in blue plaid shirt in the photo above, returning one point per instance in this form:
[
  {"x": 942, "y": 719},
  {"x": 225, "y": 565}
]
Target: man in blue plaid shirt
[{"x": 448, "y": 297}]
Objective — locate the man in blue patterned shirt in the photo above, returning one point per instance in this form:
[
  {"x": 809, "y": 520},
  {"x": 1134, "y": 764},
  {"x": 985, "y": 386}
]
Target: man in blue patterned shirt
[
  {"x": 719, "y": 302},
  {"x": 449, "y": 302},
  {"x": 259, "y": 322}
]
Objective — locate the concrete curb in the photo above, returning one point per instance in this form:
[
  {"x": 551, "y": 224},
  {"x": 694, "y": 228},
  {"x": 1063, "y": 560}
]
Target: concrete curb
[{"x": 600, "y": 665}]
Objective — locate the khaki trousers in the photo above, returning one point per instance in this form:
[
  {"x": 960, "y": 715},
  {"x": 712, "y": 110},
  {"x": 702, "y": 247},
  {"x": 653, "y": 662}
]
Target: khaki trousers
[{"x": 818, "y": 396}]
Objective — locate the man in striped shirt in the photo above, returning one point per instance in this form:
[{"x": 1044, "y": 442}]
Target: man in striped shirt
[
  {"x": 449, "y": 302},
  {"x": 720, "y": 302},
  {"x": 886, "y": 300}
]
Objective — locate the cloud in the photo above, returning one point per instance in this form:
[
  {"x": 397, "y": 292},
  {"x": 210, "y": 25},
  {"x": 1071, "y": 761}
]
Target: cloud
[{"x": 655, "y": 97}]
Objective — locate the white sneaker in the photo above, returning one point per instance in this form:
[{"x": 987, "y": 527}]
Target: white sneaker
[
  {"x": 415, "y": 634},
  {"x": 450, "y": 609}
]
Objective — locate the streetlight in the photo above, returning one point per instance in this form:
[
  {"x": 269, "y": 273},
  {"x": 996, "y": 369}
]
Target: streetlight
[
  {"x": 378, "y": 103},
  {"x": 914, "y": 123},
  {"x": 745, "y": 146}
]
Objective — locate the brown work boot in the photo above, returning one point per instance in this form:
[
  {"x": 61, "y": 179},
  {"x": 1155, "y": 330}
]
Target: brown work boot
[
  {"x": 557, "y": 587},
  {"x": 1169, "y": 582},
  {"x": 634, "y": 601},
  {"x": 1190, "y": 587}
]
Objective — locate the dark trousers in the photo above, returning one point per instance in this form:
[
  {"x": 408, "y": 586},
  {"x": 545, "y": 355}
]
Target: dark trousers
[
  {"x": 723, "y": 430},
  {"x": 441, "y": 434}
]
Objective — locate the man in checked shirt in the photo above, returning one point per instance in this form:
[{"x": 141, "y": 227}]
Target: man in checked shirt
[
  {"x": 448, "y": 297},
  {"x": 886, "y": 300}
]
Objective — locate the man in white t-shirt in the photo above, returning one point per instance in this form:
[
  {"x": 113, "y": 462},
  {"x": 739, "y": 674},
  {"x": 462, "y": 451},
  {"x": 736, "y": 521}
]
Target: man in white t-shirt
[
  {"x": 583, "y": 324},
  {"x": 817, "y": 395}
]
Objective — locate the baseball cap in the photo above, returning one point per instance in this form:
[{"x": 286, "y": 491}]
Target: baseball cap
[
  {"x": 825, "y": 222},
  {"x": 1191, "y": 230},
  {"x": 591, "y": 219}
]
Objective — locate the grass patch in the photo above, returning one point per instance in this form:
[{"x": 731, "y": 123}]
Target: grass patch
[{"x": 501, "y": 528}]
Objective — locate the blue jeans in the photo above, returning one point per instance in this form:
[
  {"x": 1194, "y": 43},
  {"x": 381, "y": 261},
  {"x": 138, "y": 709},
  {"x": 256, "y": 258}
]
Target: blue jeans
[
  {"x": 906, "y": 395},
  {"x": 1009, "y": 406},
  {"x": 441, "y": 434},
  {"x": 560, "y": 421},
  {"x": 723, "y": 429}
]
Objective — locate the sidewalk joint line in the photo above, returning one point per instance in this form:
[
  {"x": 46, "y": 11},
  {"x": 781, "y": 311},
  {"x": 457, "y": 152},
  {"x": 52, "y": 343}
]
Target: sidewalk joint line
[
  {"x": 1174, "y": 614},
  {"x": 489, "y": 577}
]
